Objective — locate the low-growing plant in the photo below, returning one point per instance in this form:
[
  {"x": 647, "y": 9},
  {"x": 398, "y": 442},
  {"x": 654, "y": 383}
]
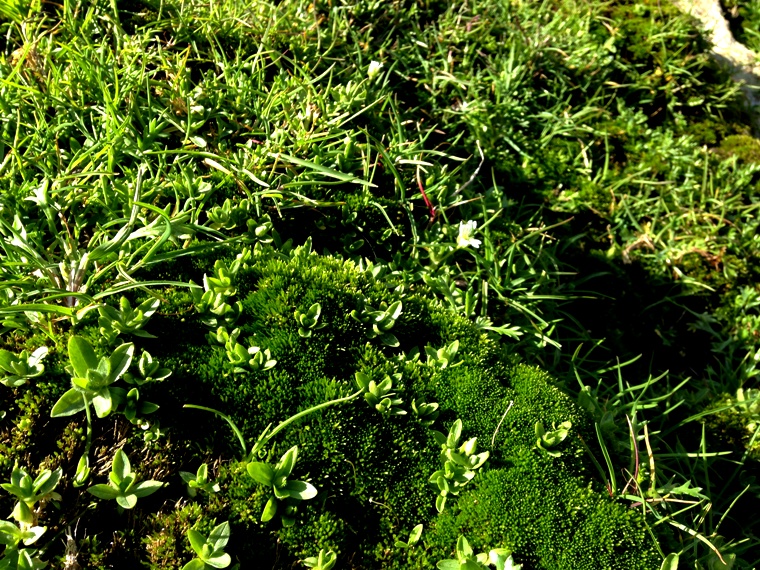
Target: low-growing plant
[
  {"x": 244, "y": 359},
  {"x": 379, "y": 322},
  {"x": 379, "y": 395},
  {"x": 211, "y": 300},
  {"x": 309, "y": 321},
  {"x": 92, "y": 378},
  {"x": 426, "y": 413},
  {"x": 30, "y": 492},
  {"x": 199, "y": 481},
  {"x": 286, "y": 492},
  {"x": 148, "y": 370},
  {"x": 500, "y": 558},
  {"x": 442, "y": 357},
  {"x": 414, "y": 538},
  {"x": 15, "y": 558},
  {"x": 325, "y": 560},
  {"x": 547, "y": 440},
  {"x": 209, "y": 550},
  {"x": 16, "y": 370},
  {"x": 126, "y": 320},
  {"x": 460, "y": 464},
  {"x": 123, "y": 485}
]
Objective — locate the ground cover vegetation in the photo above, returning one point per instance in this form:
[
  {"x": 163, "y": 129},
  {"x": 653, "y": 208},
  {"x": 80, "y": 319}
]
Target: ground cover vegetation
[{"x": 375, "y": 285}]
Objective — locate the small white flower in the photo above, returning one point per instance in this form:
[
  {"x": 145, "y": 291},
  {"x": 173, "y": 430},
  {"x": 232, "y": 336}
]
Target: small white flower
[
  {"x": 374, "y": 69},
  {"x": 465, "y": 237}
]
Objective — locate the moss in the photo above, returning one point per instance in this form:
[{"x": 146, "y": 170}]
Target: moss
[
  {"x": 745, "y": 148},
  {"x": 735, "y": 421},
  {"x": 165, "y": 540},
  {"x": 372, "y": 471},
  {"x": 548, "y": 519}
]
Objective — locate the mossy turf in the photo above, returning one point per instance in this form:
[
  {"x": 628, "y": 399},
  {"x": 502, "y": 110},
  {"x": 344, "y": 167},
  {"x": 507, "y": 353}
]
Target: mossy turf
[{"x": 372, "y": 470}]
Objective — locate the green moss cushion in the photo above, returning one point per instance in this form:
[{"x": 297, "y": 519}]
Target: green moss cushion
[{"x": 372, "y": 469}]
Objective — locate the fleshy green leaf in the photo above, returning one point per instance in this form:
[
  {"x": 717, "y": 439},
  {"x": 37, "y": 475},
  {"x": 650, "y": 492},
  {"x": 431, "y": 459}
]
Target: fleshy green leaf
[
  {"x": 670, "y": 562},
  {"x": 269, "y": 510},
  {"x": 121, "y": 466},
  {"x": 25, "y": 561},
  {"x": 221, "y": 560},
  {"x": 197, "y": 540},
  {"x": 463, "y": 547},
  {"x": 22, "y": 513},
  {"x": 10, "y": 534},
  {"x": 33, "y": 534},
  {"x": 362, "y": 380},
  {"x": 103, "y": 491},
  {"x": 389, "y": 339},
  {"x": 261, "y": 472},
  {"x": 44, "y": 485},
  {"x": 127, "y": 501},
  {"x": 82, "y": 472},
  {"x": 145, "y": 488},
  {"x": 219, "y": 536},
  {"x": 454, "y": 434},
  {"x": 82, "y": 356},
  {"x": 70, "y": 403},
  {"x": 102, "y": 403},
  {"x": 120, "y": 361},
  {"x": 301, "y": 490},
  {"x": 287, "y": 462},
  {"x": 195, "y": 564},
  {"x": 415, "y": 535}
]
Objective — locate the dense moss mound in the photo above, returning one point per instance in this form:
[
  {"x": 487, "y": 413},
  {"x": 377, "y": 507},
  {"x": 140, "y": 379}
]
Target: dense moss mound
[{"x": 372, "y": 468}]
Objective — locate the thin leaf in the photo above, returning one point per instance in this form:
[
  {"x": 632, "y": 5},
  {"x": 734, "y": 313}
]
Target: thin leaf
[
  {"x": 321, "y": 169},
  {"x": 226, "y": 418}
]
